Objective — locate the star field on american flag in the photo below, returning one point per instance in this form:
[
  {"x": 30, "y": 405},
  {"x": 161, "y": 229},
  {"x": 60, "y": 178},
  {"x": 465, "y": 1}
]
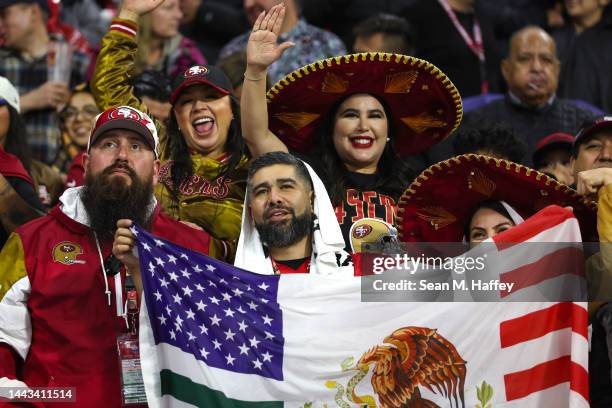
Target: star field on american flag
[{"x": 224, "y": 316}]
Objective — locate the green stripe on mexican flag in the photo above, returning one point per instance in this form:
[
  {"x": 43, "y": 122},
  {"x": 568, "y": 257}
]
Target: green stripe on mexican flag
[{"x": 184, "y": 389}]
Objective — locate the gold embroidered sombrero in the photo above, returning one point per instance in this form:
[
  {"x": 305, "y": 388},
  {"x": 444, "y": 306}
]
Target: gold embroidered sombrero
[
  {"x": 425, "y": 105},
  {"x": 437, "y": 205}
]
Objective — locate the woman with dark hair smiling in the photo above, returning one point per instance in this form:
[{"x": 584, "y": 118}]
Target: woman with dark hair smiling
[
  {"x": 76, "y": 122},
  {"x": 354, "y": 117},
  {"x": 204, "y": 159},
  {"x": 489, "y": 219}
]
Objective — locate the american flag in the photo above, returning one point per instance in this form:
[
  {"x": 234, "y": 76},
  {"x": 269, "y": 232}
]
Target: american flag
[{"x": 225, "y": 317}]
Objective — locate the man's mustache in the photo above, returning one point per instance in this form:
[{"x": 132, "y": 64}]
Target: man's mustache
[
  {"x": 277, "y": 207},
  {"x": 119, "y": 166}
]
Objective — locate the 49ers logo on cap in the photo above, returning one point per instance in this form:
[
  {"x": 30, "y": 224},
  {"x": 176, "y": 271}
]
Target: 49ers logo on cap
[
  {"x": 362, "y": 231},
  {"x": 124, "y": 113},
  {"x": 196, "y": 70}
]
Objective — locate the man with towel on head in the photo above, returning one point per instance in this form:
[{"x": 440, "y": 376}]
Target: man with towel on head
[{"x": 288, "y": 223}]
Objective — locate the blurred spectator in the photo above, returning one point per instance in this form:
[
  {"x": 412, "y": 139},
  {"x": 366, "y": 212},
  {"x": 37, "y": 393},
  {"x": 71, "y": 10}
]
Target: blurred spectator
[
  {"x": 583, "y": 14},
  {"x": 160, "y": 45},
  {"x": 75, "y": 176},
  {"x": 384, "y": 33},
  {"x": 234, "y": 66},
  {"x": 509, "y": 16},
  {"x": 18, "y": 197},
  {"x": 87, "y": 17},
  {"x": 58, "y": 28},
  {"x": 600, "y": 356},
  {"x": 552, "y": 156},
  {"x": 587, "y": 67},
  {"x": 490, "y": 139},
  {"x": 24, "y": 61},
  {"x": 47, "y": 182},
  {"x": 530, "y": 106},
  {"x": 592, "y": 169},
  {"x": 77, "y": 121},
  {"x": 342, "y": 16},
  {"x": 478, "y": 101},
  {"x": 212, "y": 24},
  {"x": 311, "y": 43},
  {"x": 554, "y": 14},
  {"x": 153, "y": 88},
  {"x": 456, "y": 37}
]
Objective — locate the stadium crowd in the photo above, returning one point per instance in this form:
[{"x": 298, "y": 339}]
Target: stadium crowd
[{"x": 254, "y": 128}]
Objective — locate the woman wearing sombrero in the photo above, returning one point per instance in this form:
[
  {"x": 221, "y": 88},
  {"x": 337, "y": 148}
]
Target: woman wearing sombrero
[
  {"x": 473, "y": 197},
  {"x": 352, "y": 118}
]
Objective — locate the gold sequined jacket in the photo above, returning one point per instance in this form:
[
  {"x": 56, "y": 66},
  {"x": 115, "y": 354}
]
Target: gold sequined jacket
[{"x": 214, "y": 203}]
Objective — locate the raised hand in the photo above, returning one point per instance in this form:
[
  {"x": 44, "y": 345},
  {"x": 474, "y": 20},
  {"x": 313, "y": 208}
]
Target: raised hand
[
  {"x": 262, "y": 49},
  {"x": 132, "y": 9}
]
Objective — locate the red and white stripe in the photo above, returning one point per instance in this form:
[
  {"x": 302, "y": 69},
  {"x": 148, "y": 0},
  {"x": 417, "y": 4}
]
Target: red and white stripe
[
  {"x": 124, "y": 26},
  {"x": 554, "y": 264},
  {"x": 549, "y": 346}
]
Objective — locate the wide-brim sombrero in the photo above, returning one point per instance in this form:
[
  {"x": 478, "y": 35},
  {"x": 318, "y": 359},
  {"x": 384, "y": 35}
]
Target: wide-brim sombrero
[
  {"x": 438, "y": 204},
  {"x": 425, "y": 105}
]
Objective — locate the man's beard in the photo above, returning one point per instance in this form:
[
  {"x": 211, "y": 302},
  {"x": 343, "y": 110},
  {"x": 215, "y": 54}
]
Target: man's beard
[
  {"x": 286, "y": 233},
  {"x": 109, "y": 199}
]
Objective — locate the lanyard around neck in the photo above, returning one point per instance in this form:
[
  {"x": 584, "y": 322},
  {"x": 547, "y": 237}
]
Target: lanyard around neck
[{"x": 475, "y": 43}]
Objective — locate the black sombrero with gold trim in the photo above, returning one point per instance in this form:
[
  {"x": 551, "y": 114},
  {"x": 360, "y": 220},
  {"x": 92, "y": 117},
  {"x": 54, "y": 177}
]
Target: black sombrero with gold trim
[
  {"x": 437, "y": 205},
  {"x": 425, "y": 105}
]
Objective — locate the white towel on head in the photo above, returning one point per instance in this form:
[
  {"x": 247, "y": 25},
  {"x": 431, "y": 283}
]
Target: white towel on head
[
  {"x": 516, "y": 217},
  {"x": 328, "y": 243}
]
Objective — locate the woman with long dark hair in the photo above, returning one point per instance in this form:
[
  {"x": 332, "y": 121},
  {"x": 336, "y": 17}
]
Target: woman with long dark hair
[
  {"x": 354, "y": 117},
  {"x": 204, "y": 159},
  {"x": 18, "y": 198}
]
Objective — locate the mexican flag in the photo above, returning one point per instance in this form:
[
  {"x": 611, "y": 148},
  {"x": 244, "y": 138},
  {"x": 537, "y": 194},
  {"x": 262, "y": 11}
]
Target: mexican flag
[{"x": 213, "y": 335}]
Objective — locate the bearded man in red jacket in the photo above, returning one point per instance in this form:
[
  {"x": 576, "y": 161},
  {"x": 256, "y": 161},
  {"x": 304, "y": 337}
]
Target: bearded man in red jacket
[{"x": 62, "y": 294}]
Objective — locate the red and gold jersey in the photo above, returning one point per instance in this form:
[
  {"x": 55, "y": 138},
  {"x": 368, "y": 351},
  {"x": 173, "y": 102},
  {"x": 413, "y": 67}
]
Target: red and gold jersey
[{"x": 214, "y": 203}]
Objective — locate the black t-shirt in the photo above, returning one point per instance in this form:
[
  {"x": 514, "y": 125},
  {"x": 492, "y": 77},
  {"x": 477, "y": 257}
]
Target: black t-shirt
[
  {"x": 362, "y": 201},
  {"x": 25, "y": 191}
]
